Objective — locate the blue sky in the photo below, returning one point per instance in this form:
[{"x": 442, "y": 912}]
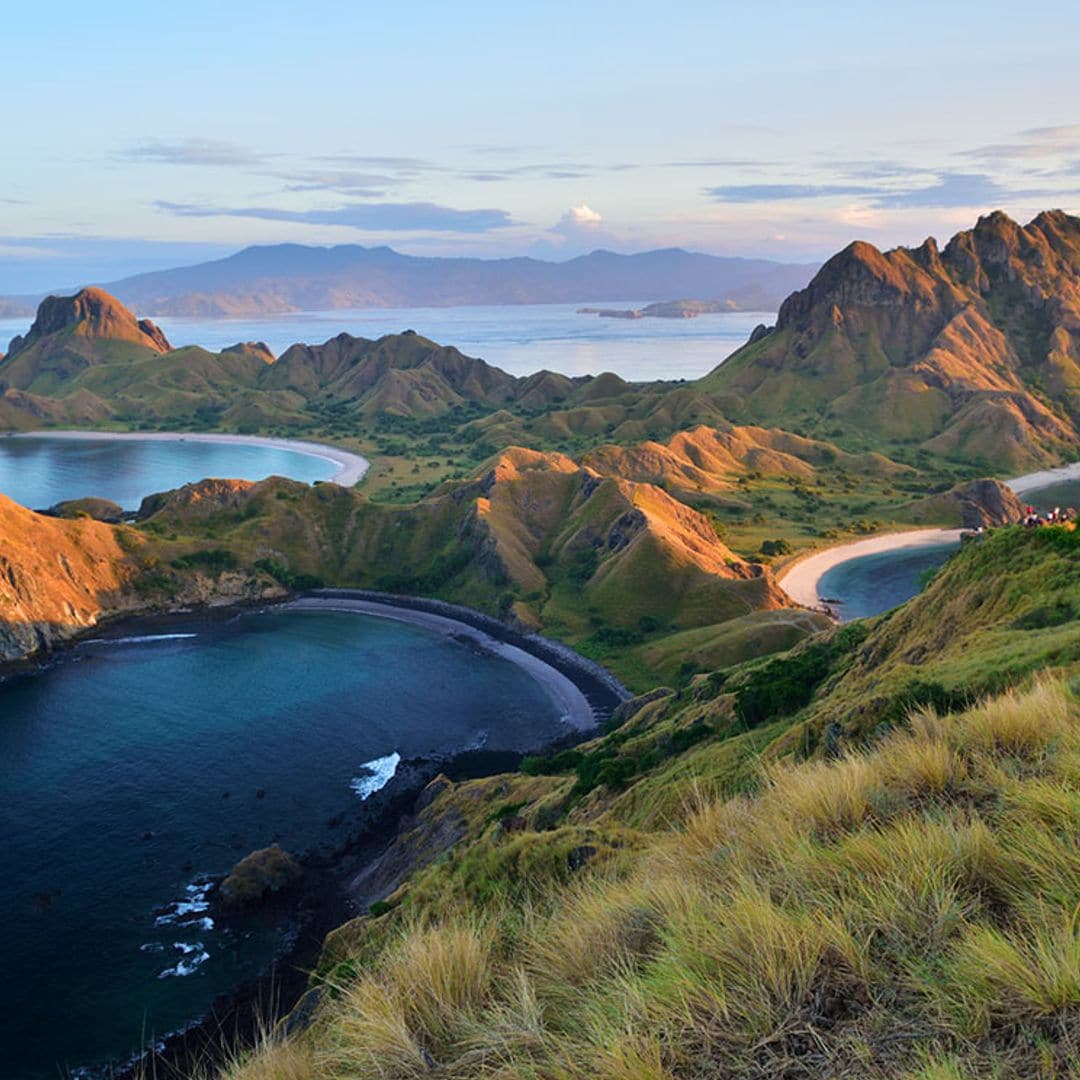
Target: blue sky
[{"x": 138, "y": 136}]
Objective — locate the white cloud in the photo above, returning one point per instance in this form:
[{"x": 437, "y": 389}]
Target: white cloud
[{"x": 582, "y": 216}]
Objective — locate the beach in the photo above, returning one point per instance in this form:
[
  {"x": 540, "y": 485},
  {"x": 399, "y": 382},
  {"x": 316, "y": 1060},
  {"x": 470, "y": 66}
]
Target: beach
[
  {"x": 350, "y": 467},
  {"x": 1035, "y": 481},
  {"x": 800, "y": 580},
  {"x": 576, "y": 710}
]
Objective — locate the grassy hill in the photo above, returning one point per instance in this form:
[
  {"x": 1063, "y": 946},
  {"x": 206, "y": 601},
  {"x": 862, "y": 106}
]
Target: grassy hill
[
  {"x": 704, "y": 892},
  {"x": 607, "y": 564}
]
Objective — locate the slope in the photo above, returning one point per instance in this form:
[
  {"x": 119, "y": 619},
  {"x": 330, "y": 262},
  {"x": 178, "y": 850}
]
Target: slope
[{"x": 969, "y": 352}]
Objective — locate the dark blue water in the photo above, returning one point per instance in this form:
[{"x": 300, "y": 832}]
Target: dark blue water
[
  {"x": 130, "y": 770},
  {"x": 40, "y": 472},
  {"x": 872, "y": 584}
]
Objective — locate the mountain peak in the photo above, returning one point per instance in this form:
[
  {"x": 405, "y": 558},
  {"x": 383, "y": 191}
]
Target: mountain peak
[{"x": 91, "y": 313}]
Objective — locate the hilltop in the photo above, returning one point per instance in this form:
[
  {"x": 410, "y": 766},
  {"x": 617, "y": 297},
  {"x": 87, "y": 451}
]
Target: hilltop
[
  {"x": 968, "y": 352},
  {"x": 293, "y": 277}
]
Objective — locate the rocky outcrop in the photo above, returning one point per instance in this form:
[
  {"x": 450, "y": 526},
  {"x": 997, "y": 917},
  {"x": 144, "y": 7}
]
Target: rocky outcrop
[
  {"x": 90, "y": 313},
  {"x": 976, "y": 504},
  {"x": 973, "y": 351},
  {"x": 264, "y": 874},
  {"x": 433, "y": 828},
  {"x": 96, "y": 509}
]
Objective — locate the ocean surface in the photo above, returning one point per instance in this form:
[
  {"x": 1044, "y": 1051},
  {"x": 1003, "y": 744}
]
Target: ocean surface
[
  {"x": 41, "y": 472},
  {"x": 872, "y": 584},
  {"x": 1066, "y": 495},
  {"x": 520, "y": 339},
  {"x": 134, "y": 767}
]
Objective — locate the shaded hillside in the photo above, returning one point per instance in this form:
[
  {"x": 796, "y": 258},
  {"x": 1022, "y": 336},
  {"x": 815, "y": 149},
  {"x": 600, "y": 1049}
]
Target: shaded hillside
[
  {"x": 972, "y": 352},
  {"x": 292, "y": 277}
]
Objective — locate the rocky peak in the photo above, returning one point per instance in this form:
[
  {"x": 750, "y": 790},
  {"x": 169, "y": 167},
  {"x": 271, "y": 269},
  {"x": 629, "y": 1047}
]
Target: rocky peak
[
  {"x": 91, "y": 313},
  {"x": 259, "y": 349}
]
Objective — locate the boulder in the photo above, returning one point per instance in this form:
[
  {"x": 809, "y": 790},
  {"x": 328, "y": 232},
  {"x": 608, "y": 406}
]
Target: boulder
[{"x": 263, "y": 874}]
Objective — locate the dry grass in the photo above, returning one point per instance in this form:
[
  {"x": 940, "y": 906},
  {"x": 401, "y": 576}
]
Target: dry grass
[{"x": 910, "y": 910}]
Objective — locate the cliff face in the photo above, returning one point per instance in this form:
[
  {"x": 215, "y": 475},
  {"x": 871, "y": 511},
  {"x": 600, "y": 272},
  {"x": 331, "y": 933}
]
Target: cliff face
[
  {"x": 57, "y": 578},
  {"x": 972, "y": 351},
  {"x": 60, "y": 577}
]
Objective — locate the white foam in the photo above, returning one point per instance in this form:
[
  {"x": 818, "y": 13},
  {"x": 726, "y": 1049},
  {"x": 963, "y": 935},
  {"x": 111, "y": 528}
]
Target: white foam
[
  {"x": 379, "y": 773},
  {"x": 195, "y": 904},
  {"x": 139, "y": 639},
  {"x": 194, "y": 957}
]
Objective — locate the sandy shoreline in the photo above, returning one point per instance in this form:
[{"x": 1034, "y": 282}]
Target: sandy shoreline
[
  {"x": 1035, "y": 481},
  {"x": 574, "y": 707},
  {"x": 800, "y": 580},
  {"x": 350, "y": 467}
]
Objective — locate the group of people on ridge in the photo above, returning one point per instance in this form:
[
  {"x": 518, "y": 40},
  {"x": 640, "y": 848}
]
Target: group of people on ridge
[{"x": 1057, "y": 516}]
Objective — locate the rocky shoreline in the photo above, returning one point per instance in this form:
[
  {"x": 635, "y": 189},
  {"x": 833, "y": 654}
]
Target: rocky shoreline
[{"x": 322, "y": 901}]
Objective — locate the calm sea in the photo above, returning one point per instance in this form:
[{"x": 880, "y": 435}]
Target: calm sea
[
  {"x": 520, "y": 339},
  {"x": 41, "y": 472},
  {"x": 132, "y": 768}
]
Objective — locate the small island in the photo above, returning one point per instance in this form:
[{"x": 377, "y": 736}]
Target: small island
[{"x": 667, "y": 309}]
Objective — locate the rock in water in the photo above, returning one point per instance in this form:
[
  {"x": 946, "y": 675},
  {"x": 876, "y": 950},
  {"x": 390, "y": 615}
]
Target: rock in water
[{"x": 265, "y": 873}]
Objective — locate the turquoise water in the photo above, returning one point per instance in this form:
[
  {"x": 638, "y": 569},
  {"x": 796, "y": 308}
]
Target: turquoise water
[
  {"x": 520, "y": 339},
  {"x": 872, "y": 584},
  {"x": 41, "y": 472},
  {"x": 132, "y": 768}
]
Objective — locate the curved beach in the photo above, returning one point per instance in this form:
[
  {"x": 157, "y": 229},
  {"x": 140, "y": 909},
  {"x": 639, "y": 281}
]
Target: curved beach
[
  {"x": 1035, "y": 481},
  {"x": 800, "y": 580},
  {"x": 350, "y": 467},
  {"x": 576, "y": 710}
]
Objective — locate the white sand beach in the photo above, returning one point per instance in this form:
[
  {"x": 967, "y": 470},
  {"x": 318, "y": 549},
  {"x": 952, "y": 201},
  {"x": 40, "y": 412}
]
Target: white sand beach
[
  {"x": 350, "y": 467},
  {"x": 1023, "y": 485},
  {"x": 800, "y": 579},
  {"x": 572, "y": 703}
]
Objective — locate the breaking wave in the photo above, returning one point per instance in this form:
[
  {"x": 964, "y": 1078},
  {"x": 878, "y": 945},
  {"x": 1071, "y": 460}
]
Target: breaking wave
[{"x": 375, "y": 775}]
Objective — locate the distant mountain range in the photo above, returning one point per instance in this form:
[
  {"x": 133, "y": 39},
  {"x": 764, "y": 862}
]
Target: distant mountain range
[
  {"x": 969, "y": 353},
  {"x": 294, "y": 277}
]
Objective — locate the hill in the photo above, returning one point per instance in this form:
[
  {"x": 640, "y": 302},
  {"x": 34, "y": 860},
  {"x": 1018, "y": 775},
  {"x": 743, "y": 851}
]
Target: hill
[
  {"x": 607, "y": 564},
  {"x": 971, "y": 352},
  {"x": 705, "y": 890},
  {"x": 293, "y": 277}
]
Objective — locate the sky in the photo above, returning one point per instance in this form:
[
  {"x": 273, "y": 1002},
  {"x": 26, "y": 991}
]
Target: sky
[{"x": 139, "y": 136}]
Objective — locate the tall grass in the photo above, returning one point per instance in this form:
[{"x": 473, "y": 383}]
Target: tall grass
[{"x": 908, "y": 910}]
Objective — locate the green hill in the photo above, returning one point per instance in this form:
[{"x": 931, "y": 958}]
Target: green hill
[{"x": 702, "y": 891}]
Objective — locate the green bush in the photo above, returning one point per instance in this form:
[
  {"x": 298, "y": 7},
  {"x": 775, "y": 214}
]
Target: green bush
[{"x": 215, "y": 560}]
